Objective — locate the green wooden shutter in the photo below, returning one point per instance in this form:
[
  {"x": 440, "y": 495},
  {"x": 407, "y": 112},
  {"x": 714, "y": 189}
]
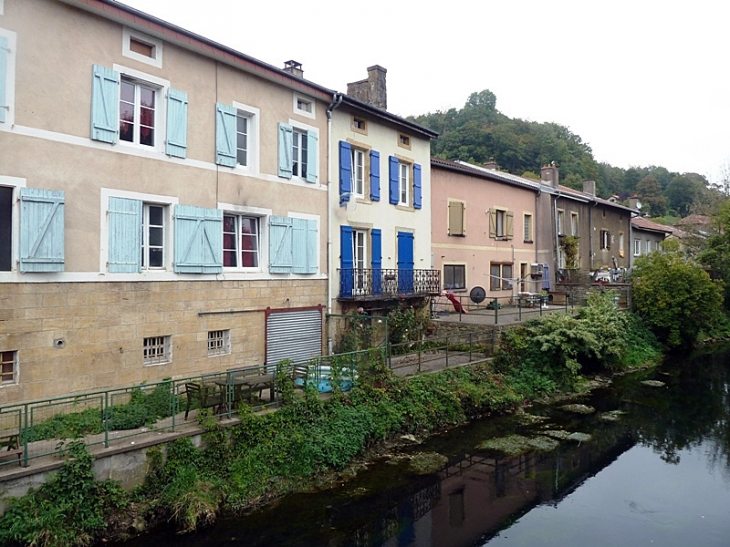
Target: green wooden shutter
[
  {"x": 225, "y": 135},
  {"x": 198, "y": 240},
  {"x": 312, "y": 157},
  {"x": 177, "y": 123},
  {"x": 3, "y": 78},
  {"x": 104, "y": 104},
  {"x": 41, "y": 230},
  {"x": 286, "y": 145},
  {"x": 125, "y": 235},
  {"x": 280, "y": 244}
]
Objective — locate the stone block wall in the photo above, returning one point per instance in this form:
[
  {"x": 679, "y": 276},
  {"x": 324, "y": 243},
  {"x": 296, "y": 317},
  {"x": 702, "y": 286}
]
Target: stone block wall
[{"x": 77, "y": 337}]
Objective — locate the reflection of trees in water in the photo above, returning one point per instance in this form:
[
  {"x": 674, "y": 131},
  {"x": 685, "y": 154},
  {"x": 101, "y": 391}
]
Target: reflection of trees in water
[{"x": 692, "y": 410}]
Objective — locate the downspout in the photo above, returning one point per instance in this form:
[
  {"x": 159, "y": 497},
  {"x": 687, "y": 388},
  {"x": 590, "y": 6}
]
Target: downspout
[
  {"x": 590, "y": 234},
  {"x": 537, "y": 217},
  {"x": 336, "y": 101},
  {"x": 556, "y": 262}
]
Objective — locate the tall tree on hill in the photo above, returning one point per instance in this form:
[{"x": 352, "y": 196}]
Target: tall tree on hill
[
  {"x": 649, "y": 192},
  {"x": 684, "y": 191}
]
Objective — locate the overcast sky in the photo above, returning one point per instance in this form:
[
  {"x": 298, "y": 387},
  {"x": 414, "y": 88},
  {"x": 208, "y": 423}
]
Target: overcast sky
[{"x": 643, "y": 82}]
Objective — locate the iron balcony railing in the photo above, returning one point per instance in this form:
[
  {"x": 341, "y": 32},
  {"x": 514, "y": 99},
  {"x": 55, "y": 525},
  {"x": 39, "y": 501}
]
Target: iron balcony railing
[{"x": 356, "y": 283}]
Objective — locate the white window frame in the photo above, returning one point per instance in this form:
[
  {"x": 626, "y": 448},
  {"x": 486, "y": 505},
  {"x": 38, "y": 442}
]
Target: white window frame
[
  {"x": 621, "y": 244},
  {"x": 162, "y": 348},
  {"x": 146, "y": 226},
  {"x": 147, "y": 199},
  {"x": 239, "y": 252},
  {"x": 254, "y": 115},
  {"x": 136, "y": 103},
  {"x": 219, "y": 342},
  {"x": 561, "y": 222},
  {"x": 161, "y": 87},
  {"x": 128, "y": 34},
  {"x": 500, "y": 223},
  {"x": 15, "y": 183},
  {"x": 12, "y": 38},
  {"x": 303, "y": 112},
  {"x": 2, "y": 6},
  {"x": 647, "y": 246},
  {"x": 263, "y": 216},
  {"x": 574, "y": 224},
  {"x": 14, "y": 381},
  {"x": 358, "y": 172},
  {"x": 605, "y": 242},
  {"x": 404, "y": 183},
  {"x": 299, "y": 136},
  {"x": 527, "y": 227},
  {"x": 637, "y": 247}
]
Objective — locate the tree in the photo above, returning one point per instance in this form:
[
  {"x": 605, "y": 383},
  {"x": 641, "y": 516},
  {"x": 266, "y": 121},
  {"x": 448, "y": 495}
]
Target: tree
[
  {"x": 650, "y": 194},
  {"x": 684, "y": 191},
  {"x": 717, "y": 253},
  {"x": 675, "y": 297}
]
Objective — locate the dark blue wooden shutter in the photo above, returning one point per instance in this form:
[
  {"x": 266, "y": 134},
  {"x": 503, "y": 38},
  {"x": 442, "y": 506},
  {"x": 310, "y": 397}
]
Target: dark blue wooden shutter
[
  {"x": 280, "y": 244},
  {"x": 286, "y": 150},
  {"x": 417, "y": 188},
  {"x": 104, "y": 104},
  {"x": 41, "y": 230},
  {"x": 377, "y": 261},
  {"x": 393, "y": 177},
  {"x": 347, "y": 262},
  {"x": 345, "y": 171},
  {"x": 3, "y": 78},
  {"x": 198, "y": 240},
  {"x": 225, "y": 135},
  {"x": 177, "y": 123},
  {"x": 405, "y": 262},
  {"x": 374, "y": 175},
  {"x": 312, "y": 157},
  {"x": 125, "y": 235}
]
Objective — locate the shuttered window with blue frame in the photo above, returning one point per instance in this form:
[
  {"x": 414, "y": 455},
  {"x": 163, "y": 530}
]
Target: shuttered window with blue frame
[
  {"x": 198, "y": 240},
  {"x": 417, "y": 186},
  {"x": 374, "y": 175},
  {"x": 394, "y": 190},
  {"x": 41, "y": 230},
  {"x": 176, "y": 142},
  {"x": 104, "y": 104},
  {"x": 225, "y": 135},
  {"x": 345, "y": 171},
  {"x": 125, "y": 235}
]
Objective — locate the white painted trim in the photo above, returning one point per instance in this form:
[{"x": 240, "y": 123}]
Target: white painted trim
[
  {"x": 254, "y": 137},
  {"x": 297, "y": 97},
  {"x": 9, "y": 76},
  {"x": 2, "y": 7},
  {"x": 16, "y": 183},
  {"x": 263, "y": 215},
  {"x": 106, "y": 193},
  {"x": 128, "y": 34},
  {"x": 162, "y": 86}
]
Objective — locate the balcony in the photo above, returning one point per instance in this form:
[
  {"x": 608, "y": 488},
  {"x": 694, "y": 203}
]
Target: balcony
[{"x": 362, "y": 284}]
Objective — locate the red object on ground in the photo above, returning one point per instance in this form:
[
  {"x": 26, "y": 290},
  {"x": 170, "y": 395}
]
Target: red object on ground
[{"x": 455, "y": 301}]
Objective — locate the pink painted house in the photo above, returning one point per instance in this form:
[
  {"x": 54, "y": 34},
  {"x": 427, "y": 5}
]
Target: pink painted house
[{"x": 484, "y": 229}]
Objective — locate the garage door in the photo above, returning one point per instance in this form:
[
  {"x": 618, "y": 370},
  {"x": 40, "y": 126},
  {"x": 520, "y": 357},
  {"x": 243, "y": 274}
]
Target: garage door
[{"x": 295, "y": 335}]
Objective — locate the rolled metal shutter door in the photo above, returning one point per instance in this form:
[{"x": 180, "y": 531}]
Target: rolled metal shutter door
[{"x": 295, "y": 335}]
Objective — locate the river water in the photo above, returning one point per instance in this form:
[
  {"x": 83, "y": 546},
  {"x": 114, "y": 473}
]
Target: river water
[{"x": 660, "y": 475}]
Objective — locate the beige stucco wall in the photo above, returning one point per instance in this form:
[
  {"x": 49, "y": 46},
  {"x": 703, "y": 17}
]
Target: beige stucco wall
[
  {"x": 366, "y": 214},
  {"x": 476, "y": 250}
]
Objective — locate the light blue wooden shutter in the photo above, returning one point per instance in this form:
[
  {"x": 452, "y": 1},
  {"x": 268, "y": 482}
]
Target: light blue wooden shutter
[
  {"x": 177, "y": 123},
  {"x": 198, "y": 240},
  {"x": 312, "y": 157},
  {"x": 125, "y": 235},
  {"x": 104, "y": 104},
  {"x": 299, "y": 245},
  {"x": 393, "y": 177},
  {"x": 374, "y": 175},
  {"x": 225, "y": 135},
  {"x": 286, "y": 145},
  {"x": 280, "y": 244},
  {"x": 3, "y": 78},
  {"x": 41, "y": 230},
  {"x": 347, "y": 262},
  {"x": 312, "y": 256},
  {"x": 377, "y": 260},
  {"x": 417, "y": 189},
  {"x": 345, "y": 171}
]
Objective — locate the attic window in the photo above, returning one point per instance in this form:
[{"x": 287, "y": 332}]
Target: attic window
[
  {"x": 148, "y": 50},
  {"x": 304, "y": 106},
  {"x": 404, "y": 141},
  {"x": 359, "y": 125}
]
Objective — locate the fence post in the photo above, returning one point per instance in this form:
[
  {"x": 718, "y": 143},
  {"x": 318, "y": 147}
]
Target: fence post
[
  {"x": 173, "y": 402},
  {"x": 447, "y": 352},
  {"x": 496, "y": 311},
  {"x": 104, "y": 409},
  {"x": 519, "y": 309},
  {"x": 25, "y": 436},
  {"x": 470, "y": 343}
]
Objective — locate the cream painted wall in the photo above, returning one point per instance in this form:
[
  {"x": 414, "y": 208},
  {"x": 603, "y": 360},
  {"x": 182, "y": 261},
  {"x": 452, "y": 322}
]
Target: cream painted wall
[{"x": 367, "y": 214}]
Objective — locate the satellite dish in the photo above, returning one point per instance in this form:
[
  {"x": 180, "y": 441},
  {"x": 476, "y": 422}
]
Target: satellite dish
[
  {"x": 638, "y": 205},
  {"x": 477, "y": 295}
]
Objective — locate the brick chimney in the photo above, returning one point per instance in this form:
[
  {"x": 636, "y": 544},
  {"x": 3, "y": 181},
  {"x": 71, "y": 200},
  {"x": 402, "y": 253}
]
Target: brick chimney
[
  {"x": 491, "y": 164},
  {"x": 549, "y": 174},
  {"x": 372, "y": 90},
  {"x": 589, "y": 187},
  {"x": 294, "y": 68},
  {"x": 634, "y": 202}
]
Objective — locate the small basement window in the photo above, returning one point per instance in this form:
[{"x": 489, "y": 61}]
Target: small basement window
[{"x": 157, "y": 350}]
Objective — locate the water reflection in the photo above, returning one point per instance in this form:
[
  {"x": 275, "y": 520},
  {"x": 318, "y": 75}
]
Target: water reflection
[{"x": 659, "y": 474}]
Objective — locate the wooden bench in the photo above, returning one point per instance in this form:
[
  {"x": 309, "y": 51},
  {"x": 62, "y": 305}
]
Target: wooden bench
[{"x": 10, "y": 447}]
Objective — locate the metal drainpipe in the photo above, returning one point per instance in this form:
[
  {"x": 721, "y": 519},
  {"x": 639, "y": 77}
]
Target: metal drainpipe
[{"x": 336, "y": 101}]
